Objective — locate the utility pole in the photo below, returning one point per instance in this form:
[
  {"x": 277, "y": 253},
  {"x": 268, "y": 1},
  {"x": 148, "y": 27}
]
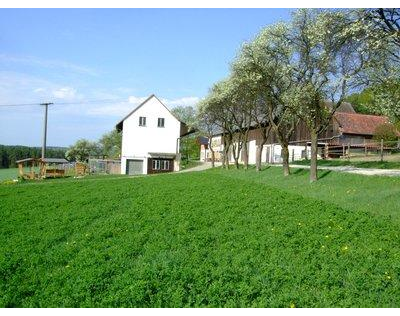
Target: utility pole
[{"x": 46, "y": 106}]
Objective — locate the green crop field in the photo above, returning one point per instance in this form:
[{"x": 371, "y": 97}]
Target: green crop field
[{"x": 214, "y": 238}]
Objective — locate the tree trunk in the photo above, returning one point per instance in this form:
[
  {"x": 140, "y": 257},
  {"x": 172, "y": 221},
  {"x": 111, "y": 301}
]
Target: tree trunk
[
  {"x": 236, "y": 151},
  {"x": 285, "y": 159},
  {"x": 258, "y": 157},
  {"x": 212, "y": 158},
  {"x": 259, "y": 150},
  {"x": 236, "y": 162},
  {"x": 226, "y": 157},
  {"x": 313, "y": 158},
  {"x": 245, "y": 156}
]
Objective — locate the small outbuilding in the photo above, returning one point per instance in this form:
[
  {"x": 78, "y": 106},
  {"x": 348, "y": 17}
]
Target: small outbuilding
[{"x": 39, "y": 168}]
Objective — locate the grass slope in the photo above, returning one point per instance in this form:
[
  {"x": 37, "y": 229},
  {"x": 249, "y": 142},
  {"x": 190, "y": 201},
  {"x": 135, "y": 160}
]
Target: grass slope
[
  {"x": 377, "y": 195},
  {"x": 195, "y": 239},
  {"x": 358, "y": 164}
]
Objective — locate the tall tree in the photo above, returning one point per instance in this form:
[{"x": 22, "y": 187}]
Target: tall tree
[
  {"x": 111, "y": 144},
  {"x": 207, "y": 126},
  {"x": 385, "y": 20},
  {"x": 329, "y": 56},
  {"x": 82, "y": 150},
  {"x": 383, "y": 25},
  {"x": 238, "y": 96},
  {"x": 218, "y": 112},
  {"x": 263, "y": 63},
  {"x": 187, "y": 114}
]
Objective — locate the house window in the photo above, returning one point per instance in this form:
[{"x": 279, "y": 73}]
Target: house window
[
  {"x": 165, "y": 165},
  {"x": 156, "y": 164},
  {"x": 142, "y": 121},
  {"x": 160, "y": 164},
  {"x": 161, "y": 121}
]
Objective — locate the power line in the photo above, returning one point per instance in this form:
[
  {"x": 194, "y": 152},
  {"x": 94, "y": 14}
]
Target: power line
[
  {"x": 23, "y": 104},
  {"x": 69, "y": 103},
  {"x": 92, "y": 101}
]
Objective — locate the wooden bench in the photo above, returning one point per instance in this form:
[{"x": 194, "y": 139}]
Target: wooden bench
[{"x": 55, "y": 173}]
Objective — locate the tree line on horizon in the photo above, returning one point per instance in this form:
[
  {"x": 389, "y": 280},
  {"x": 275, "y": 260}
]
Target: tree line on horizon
[{"x": 9, "y": 154}]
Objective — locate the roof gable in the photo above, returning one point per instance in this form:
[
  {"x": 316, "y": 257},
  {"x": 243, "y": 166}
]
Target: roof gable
[{"x": 119, "y": 125}]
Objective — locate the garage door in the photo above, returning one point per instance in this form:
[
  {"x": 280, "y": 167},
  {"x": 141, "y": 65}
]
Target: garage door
[{"x": 134, "y": 166}]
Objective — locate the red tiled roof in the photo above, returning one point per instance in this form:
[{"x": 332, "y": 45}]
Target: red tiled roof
[{"x": 362, "y": 124}]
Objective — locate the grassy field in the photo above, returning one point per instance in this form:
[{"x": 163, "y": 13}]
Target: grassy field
[
  {"x": 8, "y": 174},
  {"x": 355, "y": 163},
  {"x": 213, "y": 238},
  {"x": 377, "y": 195},
  {"x": 189, "y": 164}
]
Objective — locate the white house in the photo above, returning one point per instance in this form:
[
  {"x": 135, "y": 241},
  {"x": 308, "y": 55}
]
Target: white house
[{"x": 150, "y": 139}]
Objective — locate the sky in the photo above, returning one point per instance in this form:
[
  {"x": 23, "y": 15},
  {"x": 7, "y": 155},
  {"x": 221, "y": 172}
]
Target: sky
[{"x": 77, "y": 55}]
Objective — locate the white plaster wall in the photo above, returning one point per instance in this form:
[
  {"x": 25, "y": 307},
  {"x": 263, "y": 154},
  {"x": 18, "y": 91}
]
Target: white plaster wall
[
  {"x": 276, "y": 151},
  {"x": 138, "y": 141},
  {"x": 252, "y": 152}
]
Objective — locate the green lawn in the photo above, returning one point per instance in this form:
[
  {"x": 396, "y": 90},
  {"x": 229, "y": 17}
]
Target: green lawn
[
  {"x": 377, "y": 195},
  {"x": 214, "y": 238},
  {"x": 190, "y": 164},
  {"x": 358, "y": 164}
]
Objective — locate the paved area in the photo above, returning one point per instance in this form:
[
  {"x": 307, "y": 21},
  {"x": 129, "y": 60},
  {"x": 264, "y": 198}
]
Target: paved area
[
  {"x": 349, "y": 169},
  {"x": 203, "y": 166}
]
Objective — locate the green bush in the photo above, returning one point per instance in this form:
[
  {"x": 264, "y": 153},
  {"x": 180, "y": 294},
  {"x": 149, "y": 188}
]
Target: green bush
[{"x": 387, "y": 132}]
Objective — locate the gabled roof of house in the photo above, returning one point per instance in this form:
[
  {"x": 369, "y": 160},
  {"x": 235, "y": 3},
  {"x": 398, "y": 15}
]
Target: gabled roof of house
[
  {"x": 362, "y": 124},
  {"x": 344, "y": 107},
  {"x": 120, "y": 123},
  {"x": 202, "y": 140}
]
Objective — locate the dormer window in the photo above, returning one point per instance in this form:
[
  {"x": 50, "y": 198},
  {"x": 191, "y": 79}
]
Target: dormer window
[
  {"x": 161, "y": 122},
  {"x": 142, "y": 121}
]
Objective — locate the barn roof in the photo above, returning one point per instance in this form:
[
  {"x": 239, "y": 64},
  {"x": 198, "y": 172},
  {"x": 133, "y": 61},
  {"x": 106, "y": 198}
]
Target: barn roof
[
  {"x": 361, "y": 124},
  {"x": 55, "y": 160}
]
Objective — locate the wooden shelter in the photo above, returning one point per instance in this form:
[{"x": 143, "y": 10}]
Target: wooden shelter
[
  {"x": 80, "y": 169},
  {"x": 38, "y": 168}
]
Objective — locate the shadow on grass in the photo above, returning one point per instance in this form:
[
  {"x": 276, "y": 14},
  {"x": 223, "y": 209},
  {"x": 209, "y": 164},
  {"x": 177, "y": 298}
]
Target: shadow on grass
[
  {"x": 324, "y": 174},
  {"x": 300, "y": 171}
]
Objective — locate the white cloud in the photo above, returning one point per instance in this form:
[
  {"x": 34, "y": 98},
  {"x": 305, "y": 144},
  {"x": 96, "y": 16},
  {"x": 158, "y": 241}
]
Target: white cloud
[
  {"x": 39, "y": 90},
  {"x": 47, "y": 63},
  {"x": 120, "y": 109},
  {"x": 23, "y": 88},
  {"x": 64, "y": 93},
  {"x": 116, "y": 109},
  {"x": 136, "y": 100},
  {"x": 185, "y": 101}
]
